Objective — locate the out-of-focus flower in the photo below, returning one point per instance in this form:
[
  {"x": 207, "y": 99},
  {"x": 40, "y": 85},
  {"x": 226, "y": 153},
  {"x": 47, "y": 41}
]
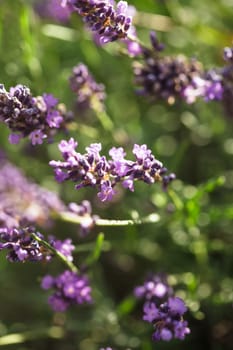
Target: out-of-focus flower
[
  {"x": 70, "y": 288},
  {"x": 167, "y": 319},
  {"x": 23, "y": 200},
  {"x": 155, "y": 287},
  {"x": 53, "y": 9},
  {"x": 161, "y": 308},
  {"x": 89, "y": 93},
  {"x": 164, "y": 77}
]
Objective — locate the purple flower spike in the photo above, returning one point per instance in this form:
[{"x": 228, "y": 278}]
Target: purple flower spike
[
  {"x": 92, "y": 169},
  {"x": 109, "y": 21},
  {"x": 21, "y": 246},
  {"x": 35, "y": 117},
  {"x": 89, "y": 93}
]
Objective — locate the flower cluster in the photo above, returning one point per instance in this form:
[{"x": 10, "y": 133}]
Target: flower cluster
[
  {"x": 164, "y": 77},
  {"x": 162, "y": 309},
  {"x": 167, "y": 319},
  {"x": 84, "y": 210},
  {"x": 70, "y": 288},
  {"x": 108, "y": 20},
  {"x": 53, "y": 9},
  {"x": 21, "y": 246},
  {"x": 23, "y": 200},
  {"x": 177, "y": 78},
  {"x": 215, "y": 84},
  {"x": 36, "y": 117},
  {"x": 89, "y": 93},
  {"x": 92, "y": 169}
]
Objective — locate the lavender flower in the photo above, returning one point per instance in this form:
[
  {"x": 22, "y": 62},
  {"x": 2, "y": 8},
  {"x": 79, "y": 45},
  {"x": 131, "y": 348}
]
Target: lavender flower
[
  {"x": 92, "y": 169},
  {"x": 162, "y": 309},
  {"x": 23, "y": 200},
  {"x": 209, "y": 86},
  {"x": 21, "y": 246},
  {"x": 154, "y": 288},
  {"x": 108, "y": 20},
  {"x": 70, "y": 289},
  {"x": 36, "y": 117},
  {"x": 65, "y": 247},
  {"x": 89, "y": 93},
  {"x": 167, "y": 319},
  {"x": 164, "y": 77},
  {"x": 53, "y": 9}
]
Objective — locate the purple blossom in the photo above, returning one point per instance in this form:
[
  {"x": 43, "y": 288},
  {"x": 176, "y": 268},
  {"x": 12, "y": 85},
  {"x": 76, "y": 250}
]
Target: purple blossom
[
  {"x": 167, "y": 319},
  {"x": 65, "y": 247},
  {"x": 164, "y": 77},
  {"x": 154, "y": 288},
  {"x": 106, "y": 191},
  {"x": 53, "y": 9},
  {"x": 150, "y": 312},
  {"x": 209, "y": 86},
  {"x": 35, "y": 117},
  {"x": 23, "y": 200},
  {"x": 92, "y": 169},
  {"x": 228, "y": 54},
  {"x": 70, "y": 288},
  {"x": 177, "y": 78},
  {"x": 37, "y": 137},
  {"x": 89, "y": 94},
  {"x": 162, "y": 309},
  {"x": 14, "y": 138},
  {"x": 54, "y": 119},
  {"x": 108, "y": 20},
  {"x": 47, "y": 282},
  {"x": 21, "y": 246}
]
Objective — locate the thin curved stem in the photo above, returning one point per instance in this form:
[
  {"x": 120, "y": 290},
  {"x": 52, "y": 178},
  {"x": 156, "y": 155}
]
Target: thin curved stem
[{"x": 61, "y": 256}]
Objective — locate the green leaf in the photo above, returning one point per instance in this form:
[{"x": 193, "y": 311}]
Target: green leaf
[{"x": 95, "y": 254}]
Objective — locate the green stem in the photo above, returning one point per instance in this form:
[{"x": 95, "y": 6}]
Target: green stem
[
  {"x": 61, "y": 256},
  {"x": 104, "y": 119},
  {"x": 76, "y": 219},
  {"x": 18, "y": 338}
]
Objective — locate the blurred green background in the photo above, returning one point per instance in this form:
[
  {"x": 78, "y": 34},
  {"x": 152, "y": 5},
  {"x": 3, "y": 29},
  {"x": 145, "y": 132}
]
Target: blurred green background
[{"x": 192, "y": 242}]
